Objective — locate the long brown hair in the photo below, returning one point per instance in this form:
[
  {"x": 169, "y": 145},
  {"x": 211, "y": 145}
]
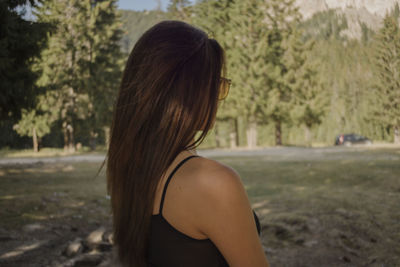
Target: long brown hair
[{"x": 168, "y": 92}]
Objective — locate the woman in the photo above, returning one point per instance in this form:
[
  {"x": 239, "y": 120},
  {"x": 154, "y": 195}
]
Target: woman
[{"x": 170, "y": 90}]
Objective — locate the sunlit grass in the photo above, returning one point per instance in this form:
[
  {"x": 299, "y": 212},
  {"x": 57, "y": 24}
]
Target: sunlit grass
[
  {"x": 21, "y": 250},
  {"x": 50, "y": 191},
  {"x": 341, "y": 202},
  {"x": 338, "y": 201}
]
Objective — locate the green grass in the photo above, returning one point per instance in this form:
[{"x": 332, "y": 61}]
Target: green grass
[
  {"x": 346, "y": 209},
  {"x": 338, "y": 209},
  {"x": 44, "y": 192}
]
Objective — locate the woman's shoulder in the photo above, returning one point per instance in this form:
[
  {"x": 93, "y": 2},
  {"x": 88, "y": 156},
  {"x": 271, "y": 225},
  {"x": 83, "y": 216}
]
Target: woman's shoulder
[
  {"x": 211, "y": 175},
  {"x": 222, "y": 212},
  {"x": 214, "y": 183}
]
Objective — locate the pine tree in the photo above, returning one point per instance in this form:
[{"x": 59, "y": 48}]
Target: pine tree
[
  {"x": 385, "y": 103},
  {"x": 37, "y": 122},
  {"x": 252, "y": 33},
  {"x": 214, "y": 17},
  {"x": 248, "y": 45},
  {"x": 325, "y": 25},
  {"x": 21, "y": 42},
  {"x": 104, "y": 64},
  {"x": 180, "y": 10},
  {"x": 63, "y": 62},
  {"x": 308, "y": 97},
  {"x": 274, "y": 93},
  {"x": 82, "y": 62}
]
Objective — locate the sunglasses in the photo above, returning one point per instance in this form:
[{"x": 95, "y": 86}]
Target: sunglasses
[{"x": 224, "y": 86}]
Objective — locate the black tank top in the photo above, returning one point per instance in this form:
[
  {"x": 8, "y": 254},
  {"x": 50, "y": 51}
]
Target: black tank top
[{"x": 172, "y": 248}]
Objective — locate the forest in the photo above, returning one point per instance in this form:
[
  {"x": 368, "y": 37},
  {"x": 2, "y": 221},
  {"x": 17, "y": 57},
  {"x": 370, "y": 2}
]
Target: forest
[
  {"x": 295, "y": 81},
  {"x": 299, "y": 80}
]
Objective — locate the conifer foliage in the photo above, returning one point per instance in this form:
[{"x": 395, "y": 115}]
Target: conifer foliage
[
  {"x": 385, "y": 102},
  {"x": 288, "y": 75},
  {"x": 20, "y": 43},
  {"x": 253, "y": 33},
  {"x": 218, "y": 25},
  {"x": 180, "y": 9},
  {"x": 309, "y": 98},
  {"x": 36, "y": 122},
  {"x": 82, "y": 63}
]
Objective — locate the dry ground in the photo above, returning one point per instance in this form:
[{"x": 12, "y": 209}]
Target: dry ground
[{"x": 317, "y": 207}]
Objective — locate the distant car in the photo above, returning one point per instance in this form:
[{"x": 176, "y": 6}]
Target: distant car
[{"x": 351, "y": 139}]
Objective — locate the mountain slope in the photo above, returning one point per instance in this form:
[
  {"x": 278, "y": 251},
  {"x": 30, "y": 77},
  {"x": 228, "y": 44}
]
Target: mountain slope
[
  {"x": 375, "y": 7},
  {"x": 356, "y": 12}
]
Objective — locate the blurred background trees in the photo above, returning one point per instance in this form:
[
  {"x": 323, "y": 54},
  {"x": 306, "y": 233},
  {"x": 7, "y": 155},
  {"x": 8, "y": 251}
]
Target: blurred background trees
[
  {"x": 82, "y": 64},
  {"x": 385, "y": 99},
  {"x": 20, "y": 42},
  {"x": 296, "y": 80}
]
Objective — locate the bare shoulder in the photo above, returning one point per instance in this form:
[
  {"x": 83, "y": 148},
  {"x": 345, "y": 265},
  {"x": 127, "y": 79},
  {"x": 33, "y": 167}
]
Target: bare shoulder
[
  {"x": 211, "y": 177},
  {"x": 216, "y": 187},
  {"x": 223, "y": 213}
]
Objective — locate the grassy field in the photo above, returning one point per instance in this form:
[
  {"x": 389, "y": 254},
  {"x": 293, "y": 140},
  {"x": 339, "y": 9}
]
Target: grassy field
[
  {"x": 339, "y": 208},
  {"x": 327, "y": 212}
]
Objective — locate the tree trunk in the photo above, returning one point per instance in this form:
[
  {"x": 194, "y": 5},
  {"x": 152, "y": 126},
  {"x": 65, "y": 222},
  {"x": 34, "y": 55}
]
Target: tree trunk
[
  {"x": 237, "y": 131},
  {"x": 397, "y": 134},
  {"x": 65, "y": 134},
  {"x": 278, "y": 133},
  {"x": 107, "y": 136},
  {"x": 251, "y": 134},
  {"x": 232, "y": 139},
  {"x": 93, "y": 140},
  {"x": 35, "y": 140},
  {"x": 217, "y": 137},
  {"x": 71, "y": 141},
  {"x": 234, "y": 136},
  {"x": 39, "y": 142},
  {"x": 307, "y": 135}
]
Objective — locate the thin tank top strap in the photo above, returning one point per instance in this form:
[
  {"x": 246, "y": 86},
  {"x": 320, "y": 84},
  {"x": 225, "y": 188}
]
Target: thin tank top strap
[{"x": 169, "y": 179}]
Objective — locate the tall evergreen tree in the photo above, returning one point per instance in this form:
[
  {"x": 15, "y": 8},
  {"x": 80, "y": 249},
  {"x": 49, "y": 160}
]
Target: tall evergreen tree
[
  {"x": 214, "y": 16},
  {"x": 20, "y": 43},
  {"x": 81, "y": 61},
  {"x": 37, "y": 122},
  {"x": 180, "y": 10},
  {"x": 308, "y": 97},
  {"x": 385, "y": 103},
  {"x": 63, "y": 62},
  {"x": 104, "y": 64},
  {"x": 253, "y": 33},
  {"x": 274, "y": 93},
  {"x": 248, "y": 48},
  {"x": 325, "y": 25}
]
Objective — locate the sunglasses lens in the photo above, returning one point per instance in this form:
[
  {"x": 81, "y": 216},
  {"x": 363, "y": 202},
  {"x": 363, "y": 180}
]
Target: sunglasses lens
[{"x": 224, "y": 88}]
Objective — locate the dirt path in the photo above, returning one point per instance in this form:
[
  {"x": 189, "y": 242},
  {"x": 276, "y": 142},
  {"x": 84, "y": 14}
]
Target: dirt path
[{"x": 272, "y": 153}]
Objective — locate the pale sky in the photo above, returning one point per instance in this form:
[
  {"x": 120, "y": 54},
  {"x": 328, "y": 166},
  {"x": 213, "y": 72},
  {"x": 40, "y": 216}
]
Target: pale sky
[
  {"x": 143, "y": 4},
  {"x": 138, "y": 5}
]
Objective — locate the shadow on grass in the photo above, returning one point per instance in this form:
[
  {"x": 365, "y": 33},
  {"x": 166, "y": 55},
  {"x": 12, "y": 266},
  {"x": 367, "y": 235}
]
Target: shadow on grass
[
  {"x": 328, "y": 208},
  {"x": 45, "y": 206}
]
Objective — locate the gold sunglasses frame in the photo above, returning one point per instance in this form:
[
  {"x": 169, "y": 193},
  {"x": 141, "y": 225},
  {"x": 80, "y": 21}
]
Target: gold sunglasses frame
[{"x": 224, "y": 88}]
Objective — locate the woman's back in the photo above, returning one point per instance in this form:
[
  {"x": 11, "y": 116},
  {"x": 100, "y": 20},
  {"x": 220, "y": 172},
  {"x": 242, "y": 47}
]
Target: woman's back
[{"x": 174, "y": 237}]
